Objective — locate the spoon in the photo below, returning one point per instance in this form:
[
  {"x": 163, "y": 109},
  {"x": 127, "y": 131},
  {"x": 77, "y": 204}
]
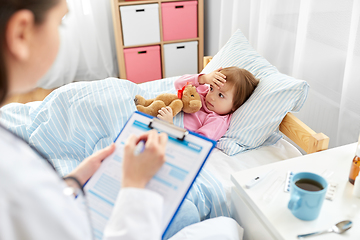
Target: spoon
[{"x": 340, "y": 227}]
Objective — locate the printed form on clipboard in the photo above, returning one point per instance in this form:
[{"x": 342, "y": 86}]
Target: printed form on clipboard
[{"x": 186, "y": 153}]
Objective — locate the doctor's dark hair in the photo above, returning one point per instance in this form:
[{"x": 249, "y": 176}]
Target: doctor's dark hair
[
  {"x": 243, "y": 82},
  {"x": 7, "y": 8}
]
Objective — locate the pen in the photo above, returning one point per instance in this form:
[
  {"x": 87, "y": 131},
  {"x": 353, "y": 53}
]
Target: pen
[
  {"x": 257, "y": 179},
  {"x": 139, "y": 148}
]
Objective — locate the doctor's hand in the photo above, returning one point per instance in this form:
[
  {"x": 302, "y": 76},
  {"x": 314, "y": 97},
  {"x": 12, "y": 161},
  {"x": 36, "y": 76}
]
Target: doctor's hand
[
  {"x": 138, "y": 169},
  {"x": 89, "y": 166}
]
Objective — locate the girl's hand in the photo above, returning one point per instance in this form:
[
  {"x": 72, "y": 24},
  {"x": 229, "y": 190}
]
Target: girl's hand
[
  {"x": 89, "y": 166},
  {"x": 166, "y": 114},
  {"x": 139, "y": 169},
  {"x": 215, "y": 78}
]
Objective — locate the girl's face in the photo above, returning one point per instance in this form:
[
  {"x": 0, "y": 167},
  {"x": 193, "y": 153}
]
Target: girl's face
[
  {"x": 220, "y": 100},
  {"x": 43, "y": 49}
]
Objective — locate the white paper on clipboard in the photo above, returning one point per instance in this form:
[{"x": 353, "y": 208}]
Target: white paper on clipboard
[{"x": 186, "y": 153}]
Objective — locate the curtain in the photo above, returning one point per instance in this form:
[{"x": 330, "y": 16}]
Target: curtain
[
  {"x": 87, "y": 49},
  {"x": 314, "y": 40}
]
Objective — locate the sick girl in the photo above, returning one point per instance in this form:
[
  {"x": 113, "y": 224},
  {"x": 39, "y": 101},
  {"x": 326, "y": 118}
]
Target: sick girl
[{"x": 222, "y": 92}]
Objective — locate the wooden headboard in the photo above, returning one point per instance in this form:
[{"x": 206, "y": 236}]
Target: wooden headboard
[
  {"x": 37, "y": 94},
  {"x": 297, "y": 131}
]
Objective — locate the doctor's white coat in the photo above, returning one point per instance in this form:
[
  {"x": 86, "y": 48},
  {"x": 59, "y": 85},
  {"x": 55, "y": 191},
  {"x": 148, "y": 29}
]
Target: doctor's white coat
[{"x": 33, "y": 206}]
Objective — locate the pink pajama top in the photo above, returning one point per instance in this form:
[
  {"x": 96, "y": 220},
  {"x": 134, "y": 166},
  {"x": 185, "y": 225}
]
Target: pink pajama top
[{"x": 205, "y": 122}]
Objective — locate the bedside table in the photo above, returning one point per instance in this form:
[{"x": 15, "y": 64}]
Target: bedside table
[{"x": 262, "y": 210}]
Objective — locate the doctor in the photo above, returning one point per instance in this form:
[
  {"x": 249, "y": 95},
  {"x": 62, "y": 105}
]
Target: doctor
[{"x": 32, "y": 203}]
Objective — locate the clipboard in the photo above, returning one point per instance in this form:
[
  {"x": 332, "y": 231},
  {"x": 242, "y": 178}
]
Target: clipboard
[{"x": 185, "y": 155}]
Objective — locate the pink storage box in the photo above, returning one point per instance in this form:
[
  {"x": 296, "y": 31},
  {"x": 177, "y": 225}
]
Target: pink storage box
[
  {"x": 142, "y": 64},
  {"x": 179, "y": 20}
]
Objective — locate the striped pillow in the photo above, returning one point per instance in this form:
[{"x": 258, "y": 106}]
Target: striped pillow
[{"x": 256, "y": 122}]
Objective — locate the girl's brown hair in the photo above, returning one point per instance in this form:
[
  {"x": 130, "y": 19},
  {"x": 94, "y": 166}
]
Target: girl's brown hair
[
  {"x": 243, "y": 82},
  {"x": 7, "y": 8}
]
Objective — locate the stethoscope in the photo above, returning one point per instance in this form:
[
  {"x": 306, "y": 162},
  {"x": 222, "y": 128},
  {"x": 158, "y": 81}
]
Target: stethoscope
[{"x": 74, "y": 187}]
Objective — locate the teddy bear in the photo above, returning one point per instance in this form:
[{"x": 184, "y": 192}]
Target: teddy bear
[{"x": 187, "y": 100}]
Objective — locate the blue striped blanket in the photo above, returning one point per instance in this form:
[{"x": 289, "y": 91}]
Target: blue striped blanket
[{"x": 81, "y": 118}]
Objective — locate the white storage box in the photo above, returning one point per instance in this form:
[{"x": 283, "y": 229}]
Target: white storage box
[
  {"x": 140, "y": 24},
  {"x": 181, "y": 58}
]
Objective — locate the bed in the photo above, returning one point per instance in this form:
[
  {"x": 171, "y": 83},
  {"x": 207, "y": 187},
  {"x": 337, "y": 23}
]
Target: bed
[{"x": 78, "y": 119}]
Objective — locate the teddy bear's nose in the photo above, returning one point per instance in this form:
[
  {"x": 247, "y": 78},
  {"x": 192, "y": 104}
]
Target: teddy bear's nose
[{"x": 192, "y": 95}]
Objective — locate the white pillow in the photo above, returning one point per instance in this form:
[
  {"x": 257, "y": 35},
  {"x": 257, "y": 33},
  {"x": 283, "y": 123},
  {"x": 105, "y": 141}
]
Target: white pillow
[{"x": 256, "y": 122}]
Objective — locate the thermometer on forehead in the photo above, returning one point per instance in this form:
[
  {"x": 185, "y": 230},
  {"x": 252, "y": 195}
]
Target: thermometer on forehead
[{"x": 257, "y": 179}]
